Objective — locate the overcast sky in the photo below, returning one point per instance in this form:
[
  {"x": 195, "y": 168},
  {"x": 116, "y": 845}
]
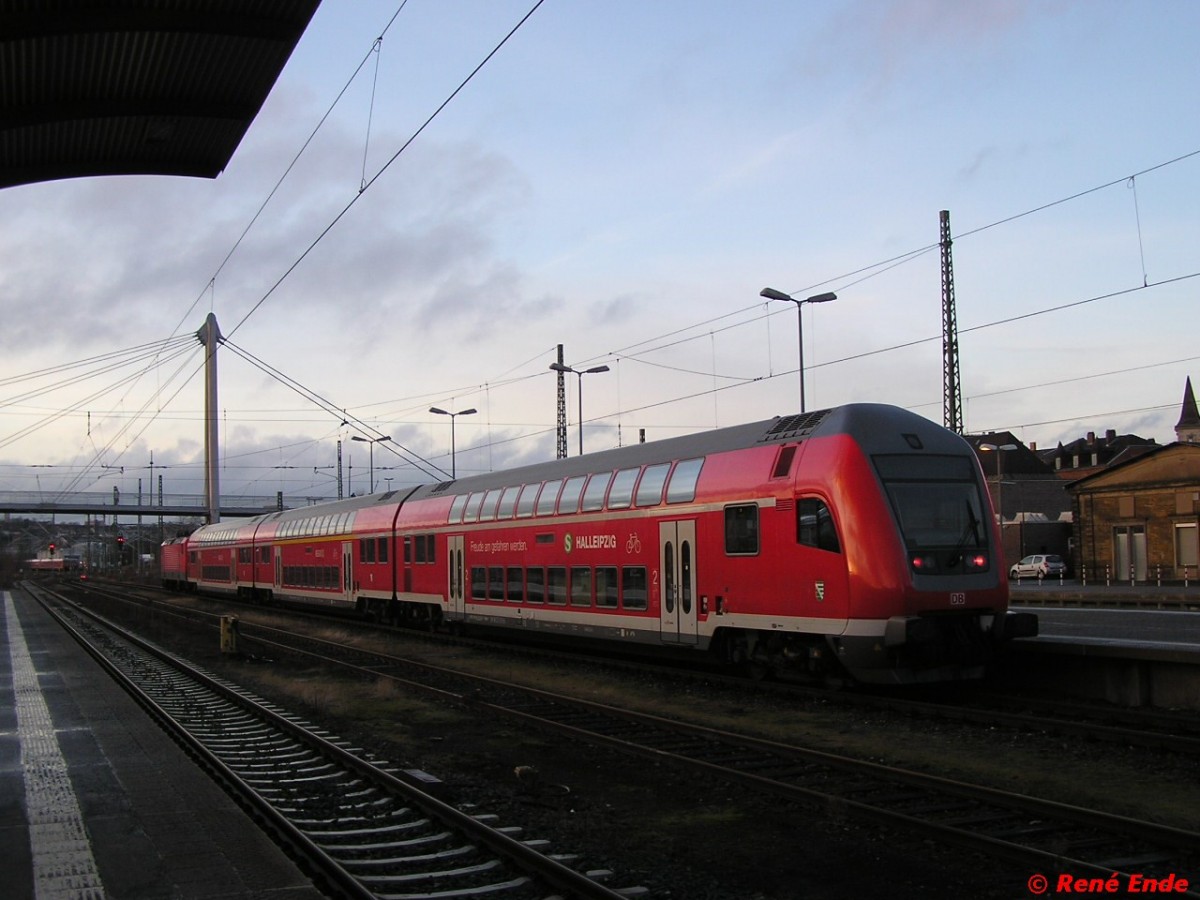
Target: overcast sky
[{"x": 623, "y": 178}]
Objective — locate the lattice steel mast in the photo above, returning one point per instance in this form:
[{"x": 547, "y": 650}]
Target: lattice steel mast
[
  {"x": 562, "y": 407},
  {"x": 952, "y": 416}
]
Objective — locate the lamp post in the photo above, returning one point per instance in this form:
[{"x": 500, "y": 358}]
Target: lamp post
[
  {"x": 453, "y": 416},
  {"x": 772, "y": 294},
  {"x": 594, "y": 370},
  {"x": 371, "y": 442}
]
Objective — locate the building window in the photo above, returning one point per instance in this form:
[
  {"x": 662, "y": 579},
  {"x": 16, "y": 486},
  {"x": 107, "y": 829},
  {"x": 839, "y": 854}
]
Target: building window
[{"x": 1187, "y": 549}]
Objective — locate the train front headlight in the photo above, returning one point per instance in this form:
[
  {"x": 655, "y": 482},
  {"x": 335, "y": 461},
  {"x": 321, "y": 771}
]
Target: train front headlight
[{"x": 925, "y": 563}]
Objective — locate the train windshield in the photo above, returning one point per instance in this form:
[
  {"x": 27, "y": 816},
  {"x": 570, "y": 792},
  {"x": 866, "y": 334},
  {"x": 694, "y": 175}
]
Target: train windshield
[{"x": 936, "y": 500}]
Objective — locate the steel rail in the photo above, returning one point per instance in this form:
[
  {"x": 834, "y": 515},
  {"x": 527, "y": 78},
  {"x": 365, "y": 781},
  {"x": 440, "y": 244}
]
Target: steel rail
[{"x": 524, "y": 857}]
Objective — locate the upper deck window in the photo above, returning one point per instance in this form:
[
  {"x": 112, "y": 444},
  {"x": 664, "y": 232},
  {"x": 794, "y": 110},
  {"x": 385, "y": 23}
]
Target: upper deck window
[
  {"x": 621, "y": 494},
  {"x": 568, "y": 501},
  {"x": 548, "y": 498},
  {"x": 682, "y": 487},
  {"x": 457, "y": 507},
  {"x": 508, "y": 503},
  {"x": 525, "y": 503},
  {"x": 491, "y": 500},
  {"x": 597, "y": 487},
  {"x": 472, "y": 512},
  {"x": 650, "y": 488}
]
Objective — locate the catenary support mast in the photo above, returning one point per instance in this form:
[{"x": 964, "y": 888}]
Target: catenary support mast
[
  {"x": 210, "y": 335},
  {"x": 562, "y": 407},
  {"x": 951, "y": 384}
]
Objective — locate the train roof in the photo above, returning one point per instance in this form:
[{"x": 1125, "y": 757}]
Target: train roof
[{"x": 877, "y": 428}]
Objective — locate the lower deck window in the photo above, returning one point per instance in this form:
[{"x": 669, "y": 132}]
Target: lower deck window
[
  {"x": 606, "y": 586},
  {"x": 535, "y": 585},
  {"x": 581, "y": 586},
  {"x": 633, "y": 587},
  {"x": 478, "y": 583},
  {"x": 556, "y": 585}
]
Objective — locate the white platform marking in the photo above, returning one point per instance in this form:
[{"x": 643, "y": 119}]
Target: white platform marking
[{"x": 63, "y": 865}]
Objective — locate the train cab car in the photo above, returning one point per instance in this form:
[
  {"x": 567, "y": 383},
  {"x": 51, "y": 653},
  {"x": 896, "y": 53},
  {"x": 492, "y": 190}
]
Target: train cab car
[{"x": 855, "y": 541}]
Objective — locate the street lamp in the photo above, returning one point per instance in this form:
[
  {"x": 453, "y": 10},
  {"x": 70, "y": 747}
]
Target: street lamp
[
  {"x": 772, "y": 294},
  {"x": 559, "y": 367},
  {"x": 453, "y": 416},
  {"x": 371, "y": 442}
]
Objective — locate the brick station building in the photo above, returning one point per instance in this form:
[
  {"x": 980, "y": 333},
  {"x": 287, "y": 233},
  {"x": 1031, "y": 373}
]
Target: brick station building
[{"x": 1140, "y": 520}]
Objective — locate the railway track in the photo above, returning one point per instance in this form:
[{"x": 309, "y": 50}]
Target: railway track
[
  {"x": 1040, "y": 836},
  {"x": 1172, "y": 731},
  {"x": 359, "y": 827}
]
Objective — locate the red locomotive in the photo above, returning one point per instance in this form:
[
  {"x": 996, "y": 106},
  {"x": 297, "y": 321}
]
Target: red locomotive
[{"x": 857, "y": 540}]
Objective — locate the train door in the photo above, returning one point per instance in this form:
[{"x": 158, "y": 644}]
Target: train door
[
  {"x": 347, "y": 567},
  {"x": 677, "y": 574},
  {"x": 455, "y": 586},
  {"x": 278, "y": 568}
]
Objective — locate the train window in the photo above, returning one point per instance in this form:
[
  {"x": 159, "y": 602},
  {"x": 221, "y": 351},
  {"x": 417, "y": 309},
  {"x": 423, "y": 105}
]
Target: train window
[
  {"x": 430, "y": 548},
  {"x": 741, "y": 529},
  {"x": 491, "y": 500},
  {"x": 381, "y": 549},
  {"x": 366, "y": 550},
  {"x": 682, "y": 486},
  {"x": 508, "y": 503},
  {"x": 535, "y": 585},
  {"x": 650, "y": 488},
  {"x": 621, "y": 494},
  {"x": 556, "y": 585},
  {"x": 685, "y": 576},
  {"x": 814, "y": 526},
  {"x": 581, "y": 586},
  {"x": 456, "y": 508},
  {"x": 606, "y": 586},
  {"x": 597, "y": 487},
  {"x": 514, "y": 585},
  {"x": 495, "y": 576},
  {"x": 471, "y": 513},
  {"x": 548, "y": 498},
  {"x": 478, "y": 582},
  {"x": 419, "y": 548},
  {"x": 783, "y": 463},
  {"x": 568, "y": 501},
  {"x": 407, "y": 549},
  {"x": 264, "y": 554},
  {"x": 526, "y": 500},
  {"x": 633, "y": 587}
]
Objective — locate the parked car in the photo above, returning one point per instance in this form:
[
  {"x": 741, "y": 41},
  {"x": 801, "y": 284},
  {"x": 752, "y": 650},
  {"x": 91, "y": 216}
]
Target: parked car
[{"x": 1039, "y": 565}]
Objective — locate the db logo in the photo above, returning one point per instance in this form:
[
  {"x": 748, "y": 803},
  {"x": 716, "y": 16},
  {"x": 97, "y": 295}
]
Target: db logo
[{"x": 958, "y": 599}]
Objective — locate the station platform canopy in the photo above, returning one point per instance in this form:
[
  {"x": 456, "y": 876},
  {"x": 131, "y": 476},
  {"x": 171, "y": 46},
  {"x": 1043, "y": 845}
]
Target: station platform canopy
[{"x": 147, "y": 87}]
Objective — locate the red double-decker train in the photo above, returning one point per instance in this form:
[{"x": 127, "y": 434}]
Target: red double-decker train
[{"x": 854, "y": 541}]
